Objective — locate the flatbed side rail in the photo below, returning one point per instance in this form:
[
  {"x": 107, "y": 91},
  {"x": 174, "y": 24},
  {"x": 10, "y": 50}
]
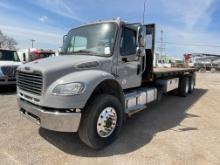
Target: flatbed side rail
[{"x": 167, "y": 72}]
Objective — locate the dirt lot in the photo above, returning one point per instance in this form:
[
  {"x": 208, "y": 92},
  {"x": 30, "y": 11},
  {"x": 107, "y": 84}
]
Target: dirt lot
[{"x": 174, "y": 131}]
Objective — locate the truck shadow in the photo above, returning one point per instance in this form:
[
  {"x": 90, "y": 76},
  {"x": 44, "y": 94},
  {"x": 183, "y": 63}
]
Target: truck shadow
[
  {"x": 137, "y": 131},
  {"x": 8, "y": 90}
]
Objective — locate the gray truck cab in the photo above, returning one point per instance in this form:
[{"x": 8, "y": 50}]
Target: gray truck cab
[
  {"x": 100, "y": 77},
  {"x": 120, "y": 44}
]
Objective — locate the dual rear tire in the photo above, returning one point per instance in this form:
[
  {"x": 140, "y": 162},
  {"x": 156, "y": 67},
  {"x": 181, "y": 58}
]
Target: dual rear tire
[
  {"x": 192, "y": 83},
  {"x": 186, "y": 85}
]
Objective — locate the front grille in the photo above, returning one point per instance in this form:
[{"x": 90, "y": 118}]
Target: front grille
[
  {"x": 30, "y": 82},
  {"x": 9, "y": 71}
]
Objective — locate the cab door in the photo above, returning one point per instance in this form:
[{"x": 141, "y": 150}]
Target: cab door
[{"x": 129, "y": 64}]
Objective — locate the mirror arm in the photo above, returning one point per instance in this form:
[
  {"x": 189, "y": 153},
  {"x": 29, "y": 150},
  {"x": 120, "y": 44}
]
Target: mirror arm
[{"x": 64, "y": 38}]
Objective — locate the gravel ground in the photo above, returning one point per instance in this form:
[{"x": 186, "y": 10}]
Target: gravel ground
[{"x": 173, "y": 131}]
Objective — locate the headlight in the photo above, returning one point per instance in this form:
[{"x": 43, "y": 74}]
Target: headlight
[{"x": 68, "y": 89}]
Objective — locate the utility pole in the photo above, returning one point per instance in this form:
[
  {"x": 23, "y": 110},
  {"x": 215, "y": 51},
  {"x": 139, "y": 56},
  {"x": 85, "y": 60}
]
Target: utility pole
[
  {"x": 161, "y": 48},
  {"x": 32, "y": 43},
  {"x": 143, "y": 17},
  {"x": 161, "y": 43}
]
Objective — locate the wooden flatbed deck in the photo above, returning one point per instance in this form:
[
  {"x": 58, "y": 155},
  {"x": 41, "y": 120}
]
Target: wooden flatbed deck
[{"x": 164, "y": 72}]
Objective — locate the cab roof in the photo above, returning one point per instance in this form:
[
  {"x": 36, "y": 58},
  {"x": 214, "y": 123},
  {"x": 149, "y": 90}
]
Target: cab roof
[
  {"x": 9, "y": 50},
  {"x": 118, "y": 21}
]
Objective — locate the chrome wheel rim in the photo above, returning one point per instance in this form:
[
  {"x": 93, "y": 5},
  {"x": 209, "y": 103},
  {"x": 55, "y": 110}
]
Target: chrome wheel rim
[{"x": 106, "y": 123}]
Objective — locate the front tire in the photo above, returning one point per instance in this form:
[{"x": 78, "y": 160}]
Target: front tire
[{"x": 101, "y": 121}]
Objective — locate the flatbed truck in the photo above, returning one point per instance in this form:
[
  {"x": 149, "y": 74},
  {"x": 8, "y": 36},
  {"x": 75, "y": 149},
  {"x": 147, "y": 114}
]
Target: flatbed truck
[{"x": 104, "y": 74}]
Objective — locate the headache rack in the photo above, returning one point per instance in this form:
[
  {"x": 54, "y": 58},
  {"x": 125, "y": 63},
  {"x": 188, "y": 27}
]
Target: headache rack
[{"x": 30, "y": 82}]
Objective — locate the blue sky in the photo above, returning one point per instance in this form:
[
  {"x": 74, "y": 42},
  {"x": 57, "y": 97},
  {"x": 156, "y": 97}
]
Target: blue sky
[{"x": 188, "y": 25}]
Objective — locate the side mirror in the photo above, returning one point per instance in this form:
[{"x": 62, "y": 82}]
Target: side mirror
[
  {"x": 141, "y": 42},
  {"x": 140, "y": 51},
  {"x": 140, "y": 38}
]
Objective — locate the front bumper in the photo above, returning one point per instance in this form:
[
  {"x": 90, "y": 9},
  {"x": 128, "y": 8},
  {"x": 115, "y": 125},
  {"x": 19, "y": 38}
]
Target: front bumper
[
  {"x": 4, "y": 80},
  {"x": 52, "y": 119}
]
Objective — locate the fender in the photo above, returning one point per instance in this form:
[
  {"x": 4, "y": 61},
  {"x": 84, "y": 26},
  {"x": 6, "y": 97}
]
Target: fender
[{"x": 90, "y": 78}]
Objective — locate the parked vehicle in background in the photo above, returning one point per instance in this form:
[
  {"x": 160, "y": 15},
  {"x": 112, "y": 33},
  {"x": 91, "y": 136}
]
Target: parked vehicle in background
[
  {"x": 104, "y": 74},
  {"x": 203, "y": 62},
  {"x": 162, "y": 64},
  {"x": 32, "y": 54},
  {"x": 178, "y": 63},
  {"x": 188, "y": 60},
  {"x": 9, "y": 62},
  {"x": 162, "y": 61}
]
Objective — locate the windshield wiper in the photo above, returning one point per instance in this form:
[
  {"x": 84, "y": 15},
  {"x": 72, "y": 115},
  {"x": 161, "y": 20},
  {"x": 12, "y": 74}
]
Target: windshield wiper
[{"x": 83, "y": 52}]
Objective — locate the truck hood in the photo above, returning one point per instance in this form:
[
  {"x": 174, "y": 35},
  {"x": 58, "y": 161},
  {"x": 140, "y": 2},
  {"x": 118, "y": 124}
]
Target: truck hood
[
  {"x": 55, "y": 67},
  {"x": 9, "y": 63},
  {"x": 65, "y": 62}
]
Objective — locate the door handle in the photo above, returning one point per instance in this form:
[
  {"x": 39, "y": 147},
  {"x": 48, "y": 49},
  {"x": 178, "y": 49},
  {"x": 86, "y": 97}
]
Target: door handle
[
  {"x": 124, "y": 59},
  {"x": 138, "y": 69}
]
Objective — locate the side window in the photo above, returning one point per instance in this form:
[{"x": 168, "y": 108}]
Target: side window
[
  {"x": 77, "y": 43},
  {"x": 128, "y": 42},
  {"x": 16, "y": 56}
]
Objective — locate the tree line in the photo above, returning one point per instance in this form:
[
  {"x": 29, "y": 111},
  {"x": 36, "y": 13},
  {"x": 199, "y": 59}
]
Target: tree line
[{"x": 7, "y": 42}]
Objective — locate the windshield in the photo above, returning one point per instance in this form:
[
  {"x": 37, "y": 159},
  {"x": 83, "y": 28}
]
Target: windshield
[
  {"x": 97, "y": 39},
  {"x": 8, "y": 55}
]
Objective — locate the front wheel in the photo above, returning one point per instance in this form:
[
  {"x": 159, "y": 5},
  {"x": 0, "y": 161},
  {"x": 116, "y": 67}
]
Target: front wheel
[{"x": 101, "y": 121}]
